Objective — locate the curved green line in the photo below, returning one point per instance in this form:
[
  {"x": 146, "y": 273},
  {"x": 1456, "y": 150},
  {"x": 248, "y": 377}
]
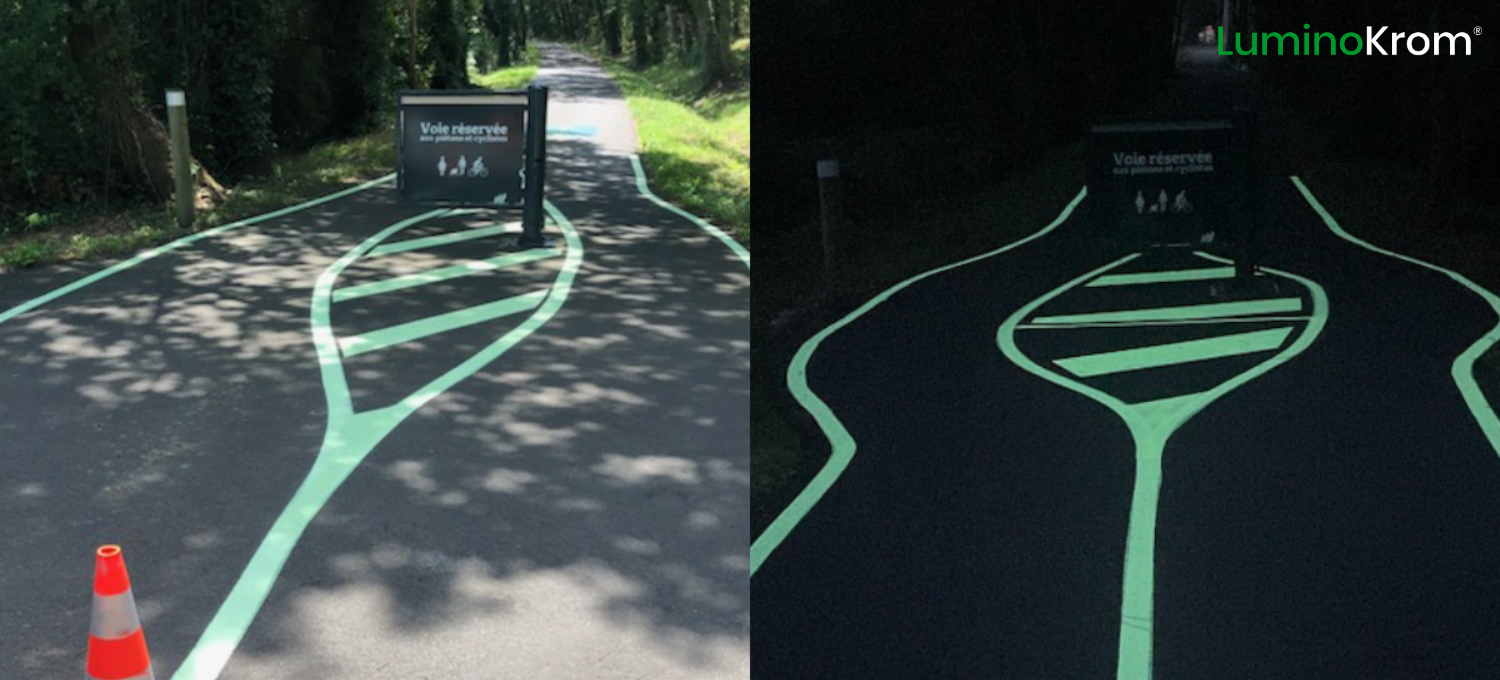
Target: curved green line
[
  {"x": 842, "y": 444},
  {"x": 640, "y": 183},
  {"x": 1151, "y": 425},
  {"x": 349, "y": 438},
  {"x": 153, "y": 252},
  {"x": 1463, "y": 366}
]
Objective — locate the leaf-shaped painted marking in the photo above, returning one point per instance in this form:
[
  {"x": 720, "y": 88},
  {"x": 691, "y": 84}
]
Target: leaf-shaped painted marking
[
  {"x": 352, "y": 435},
  {"x": 1088, "y": 337}
]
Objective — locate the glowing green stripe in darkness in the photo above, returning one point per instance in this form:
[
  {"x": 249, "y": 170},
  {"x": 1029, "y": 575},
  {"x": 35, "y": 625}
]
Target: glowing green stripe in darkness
[
  {"x": 349, "y": 438},
  {"x": 1163, "y": 276},
  {"x": 1463, "y": 366},
  {"x": 1151, "y": 424},
  {"x": 838, "y": 438},
  {"x": 1203, "y": 311},
  {"x": 1173, "y": 353}
]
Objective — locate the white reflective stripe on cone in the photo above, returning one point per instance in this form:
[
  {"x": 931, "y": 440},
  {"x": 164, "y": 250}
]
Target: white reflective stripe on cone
[{"x": 114, "y": 616}]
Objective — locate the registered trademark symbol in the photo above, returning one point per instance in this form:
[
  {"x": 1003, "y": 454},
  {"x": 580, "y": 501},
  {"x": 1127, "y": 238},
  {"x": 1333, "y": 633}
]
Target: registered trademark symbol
[{"x": 1477, "y": 30}]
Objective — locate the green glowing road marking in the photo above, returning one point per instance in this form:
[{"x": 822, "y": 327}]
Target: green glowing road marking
[
  {"x": 1463, "y": 366},
  {"x": 1173, "y": 353},
  {"x": 443, "y": 274},
  {"x": 842, "y": 444},
  {"x": 442, "y": 323},
  {"x": 192, "y": 238},
  {"x": 1163, "y": 276},
  {"x": 349, "y": 438},
  {"x": 1170, "y": 322},
  {"x": 1203, "y": 311},
  {"x": 1151, "y": 425},
  {"x": 640, "y": 183},
  {"x": 444, "y": 239}
]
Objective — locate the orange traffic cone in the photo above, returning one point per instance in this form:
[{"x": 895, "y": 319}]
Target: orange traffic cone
[{"x": 117, "y": 646}]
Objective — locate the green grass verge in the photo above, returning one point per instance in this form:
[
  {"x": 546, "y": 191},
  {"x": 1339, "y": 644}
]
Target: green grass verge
[
  {"x": 85, "y": 232},
  {"x": 511, "y": 78},
  {"x": 695, "y": 145}
]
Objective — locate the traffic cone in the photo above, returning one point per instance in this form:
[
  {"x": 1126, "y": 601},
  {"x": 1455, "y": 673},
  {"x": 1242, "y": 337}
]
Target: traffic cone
[{"x": 117, "y": 646}]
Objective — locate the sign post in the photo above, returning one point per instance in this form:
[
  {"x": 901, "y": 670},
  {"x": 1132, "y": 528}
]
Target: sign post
[
  {"x": 536, "y": 157},
  {"x": 477, "y": 148}
]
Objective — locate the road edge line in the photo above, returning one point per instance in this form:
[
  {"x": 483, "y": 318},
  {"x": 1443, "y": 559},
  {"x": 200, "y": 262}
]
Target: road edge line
[
  {"x": 640, "y": 183},
  {"x": 1463, "y": 366},
  {"x": 843, "y": 446},
  {"x": 151, "y": 253}
]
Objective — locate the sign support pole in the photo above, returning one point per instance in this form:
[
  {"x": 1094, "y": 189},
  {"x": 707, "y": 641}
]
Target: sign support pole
[
  {"x": 181, "y": 163},
  {"x": 536, "y": 167}
]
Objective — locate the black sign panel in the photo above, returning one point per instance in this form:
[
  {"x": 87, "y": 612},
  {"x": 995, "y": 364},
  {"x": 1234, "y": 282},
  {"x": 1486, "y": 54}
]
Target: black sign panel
[
  {"x": 1162, "y": 183},
  {"x": 461, "y": 147}
]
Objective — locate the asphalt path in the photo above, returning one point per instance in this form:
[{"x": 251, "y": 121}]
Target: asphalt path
[
  {"x": 1332, "y": 518},
  {"x": 575, "y": 509}
]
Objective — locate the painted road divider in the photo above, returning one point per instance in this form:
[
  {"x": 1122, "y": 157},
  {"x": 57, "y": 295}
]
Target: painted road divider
[
  {"x": 1172, "y": 353},
  {"x": 350, "y": 437},
  {"x": 1151, "y": 425},
  {"x": 443, "y": 274},
  {"x": 442, "y": 323},
  {"x": 1169, "y": 276},
  {"x": 842, "y": 444},
  {"x": 1210, "y": 310},
  {"x": 444, "y": 239}
]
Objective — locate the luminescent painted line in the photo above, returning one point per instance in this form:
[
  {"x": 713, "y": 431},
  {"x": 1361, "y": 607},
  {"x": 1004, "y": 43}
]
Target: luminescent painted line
[
  {"x": 349, "y": 438},
  {"x": 1173, "y": 353},
  {"x": 572, "y": 130},
  {"x": 1203, "y": 274},
  {"x": 842, "y": 445},
  {"x": 443, "y": 274},
  {"x": 186, "y": 240},
  {"x": 1463, "y": 366},
  {"x": 1172, "y": 322},
  {"x": 442, "y": 323},
  {"x": 1151, "y": 425},
  {"x": 1204, "y": 311},
  {"x": 640, "y": 183},
  {"x": 443, "y": 239}
]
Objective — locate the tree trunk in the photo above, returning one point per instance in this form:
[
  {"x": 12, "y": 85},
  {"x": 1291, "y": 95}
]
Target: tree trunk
[
  {"x": 612, "y": 30},
  {"x": 413, "y": 78},
  {"x": 661, "y": 29},
  {"x": 522, "y": 28},
  {"x": 137, "y": 143},
  {"x": 715, "y": 68},
  {"x": 639, "y": 33}
]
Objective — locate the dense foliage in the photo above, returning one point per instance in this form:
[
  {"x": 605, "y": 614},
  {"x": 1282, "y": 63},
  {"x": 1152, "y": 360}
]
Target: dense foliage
[{"x": 82, "y": 119}]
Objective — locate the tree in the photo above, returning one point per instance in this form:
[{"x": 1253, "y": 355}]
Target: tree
[
  {"x": 712, "y": 20},
  {"x": 639, "y": 34},
  {"x": 448, "y": 51}
]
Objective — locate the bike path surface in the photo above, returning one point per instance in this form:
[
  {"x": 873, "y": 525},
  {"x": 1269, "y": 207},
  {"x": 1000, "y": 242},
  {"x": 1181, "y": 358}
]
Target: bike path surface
[
  {"x": 586, "y": 491},
  {"x": 1331, "y": 518}
]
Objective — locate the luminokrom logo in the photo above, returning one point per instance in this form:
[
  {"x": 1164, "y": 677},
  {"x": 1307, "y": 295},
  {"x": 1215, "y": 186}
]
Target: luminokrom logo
[{"x": 1373, "y": 42}]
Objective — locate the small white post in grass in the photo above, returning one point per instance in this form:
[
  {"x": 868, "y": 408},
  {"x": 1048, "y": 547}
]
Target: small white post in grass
[{"x": 181, "y": 163}]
